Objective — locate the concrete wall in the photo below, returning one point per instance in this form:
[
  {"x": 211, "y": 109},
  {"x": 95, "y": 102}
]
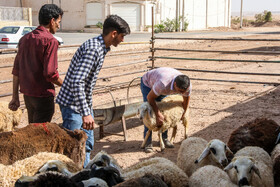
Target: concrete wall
[{"x": 200, "y": 14}]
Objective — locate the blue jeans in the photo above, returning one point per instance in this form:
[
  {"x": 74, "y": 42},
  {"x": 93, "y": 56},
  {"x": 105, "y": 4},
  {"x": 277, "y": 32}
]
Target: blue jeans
[
  {"x": 73, "y": 120},
  {"x": 145, "y": 91}
]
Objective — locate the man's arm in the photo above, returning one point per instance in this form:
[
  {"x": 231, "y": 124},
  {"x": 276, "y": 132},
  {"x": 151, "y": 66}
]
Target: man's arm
[
  {"x": 152, "y": 101},
  {"x": 186, "y": 103},
  {"x": 14, "y": 103},
  {"x": 58, "y": 82}
]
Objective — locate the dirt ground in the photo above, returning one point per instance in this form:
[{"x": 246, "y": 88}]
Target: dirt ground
[{"x": 216, "y": 107}]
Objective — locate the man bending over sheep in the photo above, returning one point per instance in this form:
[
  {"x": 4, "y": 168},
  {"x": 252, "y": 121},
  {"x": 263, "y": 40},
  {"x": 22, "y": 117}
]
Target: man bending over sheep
[
  {"x": 75, "y": 95},
  {"x": 155, "y": 85},
  {"x": 35, "y": 67}
]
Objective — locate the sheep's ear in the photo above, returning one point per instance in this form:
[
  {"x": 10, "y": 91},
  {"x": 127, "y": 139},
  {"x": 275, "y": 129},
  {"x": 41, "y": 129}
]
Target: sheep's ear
[
  {"x": 203, "y": 154},
  {"x": 256, "y": 170},
  {"x": 229, "y": 166},
  {"x": 150, "y": 112}
]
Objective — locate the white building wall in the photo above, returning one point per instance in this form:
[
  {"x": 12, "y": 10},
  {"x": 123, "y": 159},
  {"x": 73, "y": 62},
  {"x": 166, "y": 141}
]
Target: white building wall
[{"x": 200, "y": 14}]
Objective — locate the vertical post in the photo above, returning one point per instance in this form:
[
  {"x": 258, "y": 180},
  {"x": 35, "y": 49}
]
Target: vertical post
[
  {"x": 30, "y": 16},
  {"x": 229, "y": 2},
  {"x": 241, "y": 18},
  {"x": 206, "y": 14},
  {"x": 183, "y": 15},
  {"x": 176, "y": 18},
  {"x": 153, "y": 40}
]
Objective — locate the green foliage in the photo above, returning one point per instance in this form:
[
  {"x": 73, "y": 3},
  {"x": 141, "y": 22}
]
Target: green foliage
[
  {"x": 169, "y": 25},
  {"x": 266, "y": 16},
  {"x": 159, "y": 28},
  {"x": 99, "y": 25}
]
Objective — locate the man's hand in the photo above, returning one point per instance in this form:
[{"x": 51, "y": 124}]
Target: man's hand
[
  {"x": 14, "y": 104},
  {"x": 159, "y": 119},
  {"x": 88, "y": 122}
]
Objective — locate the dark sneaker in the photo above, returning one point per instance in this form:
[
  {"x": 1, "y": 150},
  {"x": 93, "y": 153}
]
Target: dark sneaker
[
  {"x": 149, "y": 148},
  {"x": 168, "y": 144}
]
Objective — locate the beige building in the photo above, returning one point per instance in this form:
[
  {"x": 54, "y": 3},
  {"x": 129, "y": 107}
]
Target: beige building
[{"x": 78, "y": 14}]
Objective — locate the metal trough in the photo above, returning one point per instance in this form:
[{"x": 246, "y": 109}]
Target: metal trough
[{"x": 118, "y": 112}]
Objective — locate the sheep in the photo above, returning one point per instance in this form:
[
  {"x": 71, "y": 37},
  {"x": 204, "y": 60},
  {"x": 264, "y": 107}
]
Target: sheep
[
  {"x": 275, "y": 156},
  {"x": 251, "y": 159},
  {"x": 210, "y": 176},
  {"x": 195, "y": 152},
  {"x": 51, "y": 178},
  {"x": 42, "y": 137},
  {"x": 8, "y": 119},
  {"x": 172, "y": 111},
  {"x": 55, "y": 165},
  {"x": 103, "y": 159},
  {"x": 30, "y": 166},
  {"x": 167, "y": 170},
  {"x": 148, "y": 180},
  {"x": 261, "y": 132}
]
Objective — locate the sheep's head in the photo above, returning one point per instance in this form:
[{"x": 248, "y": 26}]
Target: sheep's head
[
  {"x": 144, "y": 109},
  {"x": 243, "y": 166},
  {"x": 217, "y": 149},
  {"x": 55, "y": 165}
]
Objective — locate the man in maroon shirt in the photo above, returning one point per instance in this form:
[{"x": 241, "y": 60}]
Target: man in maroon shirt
[{"x": 35, "y": 67}]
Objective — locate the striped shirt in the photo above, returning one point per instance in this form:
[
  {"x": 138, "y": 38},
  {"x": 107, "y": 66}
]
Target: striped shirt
[
  {"x": 161, "y": 81},
  {"x": 77, "y": 87}
]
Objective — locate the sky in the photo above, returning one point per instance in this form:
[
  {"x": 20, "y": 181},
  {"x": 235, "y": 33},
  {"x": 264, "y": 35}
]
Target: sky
[{"x": 255, "y": 5}]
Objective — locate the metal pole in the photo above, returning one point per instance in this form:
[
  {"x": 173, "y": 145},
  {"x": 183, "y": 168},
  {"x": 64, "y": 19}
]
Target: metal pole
[
  {"x": 206, "y": 14},
  {"x": 222, "y": 60},
  {"x": 153, "y": 40},
  {"x": 183, "y": 15},
  {"x": 241, "y": 18},
  {"x": 176, "y": 18}
]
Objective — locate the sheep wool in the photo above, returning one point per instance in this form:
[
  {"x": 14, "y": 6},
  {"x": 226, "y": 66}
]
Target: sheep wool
[
  {"x": 210, "y": 176},
  {"x": 275, "y": 156},
  {"x": 30, "y": 166},
  {"x": 171, "y": 174},
  {"x": 172, "y": 111},
  {"x": 262, "y": 161},
  {"x": 260, "y": 132},
  {"x": 8, "y": 119}
]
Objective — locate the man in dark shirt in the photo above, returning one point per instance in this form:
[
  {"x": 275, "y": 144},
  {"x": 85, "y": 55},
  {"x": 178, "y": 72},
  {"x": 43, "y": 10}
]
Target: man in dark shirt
[{"x": 35, "y": 67}]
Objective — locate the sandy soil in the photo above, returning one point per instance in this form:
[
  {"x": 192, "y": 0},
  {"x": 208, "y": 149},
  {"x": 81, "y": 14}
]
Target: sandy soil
[{"x": 217, "y": 108}]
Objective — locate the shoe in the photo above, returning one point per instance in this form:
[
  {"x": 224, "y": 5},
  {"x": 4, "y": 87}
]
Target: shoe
[
  {"x": 149, "y": 148},
  {"x": 168, "y": 144}
]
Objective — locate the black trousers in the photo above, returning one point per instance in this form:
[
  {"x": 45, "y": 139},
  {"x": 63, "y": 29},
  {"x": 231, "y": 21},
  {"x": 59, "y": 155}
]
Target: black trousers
[{"x": 39, "y": 109}]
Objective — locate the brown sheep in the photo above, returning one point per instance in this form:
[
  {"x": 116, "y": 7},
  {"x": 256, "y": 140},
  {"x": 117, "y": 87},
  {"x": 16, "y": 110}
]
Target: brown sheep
[
  {"x": 42, "y": 137},
  {"x": 261, "y": 132}
]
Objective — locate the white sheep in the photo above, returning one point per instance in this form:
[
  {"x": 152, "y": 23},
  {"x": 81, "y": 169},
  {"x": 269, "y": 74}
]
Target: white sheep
[
  {"x": 8, "y": 118},
  {"x": 171, "y": 174},
  {"x": 275, "y": 156},
  {"x": 251, "y": 159},
  {"x": 172, "y": 111},
  {"x": 210, "y": 176},
  {"x": 195, "y": 152},
  {"x": 30, "y": 166}
]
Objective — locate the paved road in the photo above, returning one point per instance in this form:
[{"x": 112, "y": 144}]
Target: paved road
[{"x": 79, "y": 38}]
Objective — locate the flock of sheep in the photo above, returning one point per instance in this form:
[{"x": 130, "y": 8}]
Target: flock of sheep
[{"x": 251, "y": 157}]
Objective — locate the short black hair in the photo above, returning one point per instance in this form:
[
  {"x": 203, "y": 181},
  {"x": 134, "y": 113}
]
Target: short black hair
[
  {"x": 182, "y": 81},
  {"x": 115, "y": 23},
  {"x": 49, "y": 11}
]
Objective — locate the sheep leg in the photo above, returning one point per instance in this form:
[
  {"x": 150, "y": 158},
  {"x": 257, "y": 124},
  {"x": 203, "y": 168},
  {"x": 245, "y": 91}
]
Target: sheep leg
[
  {"x": 186, "y": 123},
  {"x": 146, "y": 138},
  {"x": 174, "y": 132},
  {"x": 162, "y": 146}
]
